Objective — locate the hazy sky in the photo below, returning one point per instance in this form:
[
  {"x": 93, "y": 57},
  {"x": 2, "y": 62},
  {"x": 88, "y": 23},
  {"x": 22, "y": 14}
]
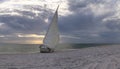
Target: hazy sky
[{"x": 81, "y": 21}]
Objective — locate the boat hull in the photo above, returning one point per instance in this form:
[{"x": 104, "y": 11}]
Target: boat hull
[{"x": 46, "y": 50}]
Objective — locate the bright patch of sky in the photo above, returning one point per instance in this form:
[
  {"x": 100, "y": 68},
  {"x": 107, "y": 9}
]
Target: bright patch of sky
[{"x": 11, "y": 5}]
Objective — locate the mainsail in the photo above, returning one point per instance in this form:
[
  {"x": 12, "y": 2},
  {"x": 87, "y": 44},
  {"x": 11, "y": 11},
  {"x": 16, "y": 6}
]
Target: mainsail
[{"x": 52, "y": 36}]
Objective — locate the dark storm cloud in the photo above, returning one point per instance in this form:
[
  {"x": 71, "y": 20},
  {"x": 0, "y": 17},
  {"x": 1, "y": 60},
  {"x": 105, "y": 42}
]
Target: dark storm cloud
[
  {"x": 113, "y": 25},
  {"x": 74, "y": 5},
  {"x": 77, "y": 22},
  {"x": 21, "y": 24},
  {"x": 94, "y": 27}
]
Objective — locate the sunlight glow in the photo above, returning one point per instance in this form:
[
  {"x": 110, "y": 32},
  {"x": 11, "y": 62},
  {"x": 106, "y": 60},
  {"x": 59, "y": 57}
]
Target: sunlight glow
[
  {"x": 12, "y": 13},
  {"x": 34, "y": 42},
  {"x": 2, "y": 36},
  {"x": 30, "y": 35},
  {"x": 25, "y": 41},
  {"x": 1, "y": 24}
]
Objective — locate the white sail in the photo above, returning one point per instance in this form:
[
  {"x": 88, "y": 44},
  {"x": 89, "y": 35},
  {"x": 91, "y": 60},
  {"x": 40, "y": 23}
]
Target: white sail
[{"x": 52, "y": 36}]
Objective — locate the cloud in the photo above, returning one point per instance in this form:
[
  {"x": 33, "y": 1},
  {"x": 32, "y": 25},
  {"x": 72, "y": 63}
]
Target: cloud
[
  {"x": 85, "y": 21},
  {"x": 1, "y": 1},
  {"x": 26, "y": 17},
  {"x": 92, "y": 21}
]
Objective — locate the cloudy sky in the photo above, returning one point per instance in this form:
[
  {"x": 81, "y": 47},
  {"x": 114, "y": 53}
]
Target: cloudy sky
[{"x": 80, "y": 21}]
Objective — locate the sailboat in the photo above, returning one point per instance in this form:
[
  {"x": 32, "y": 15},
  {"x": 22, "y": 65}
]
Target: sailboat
[{"x": 52, "y": 36}]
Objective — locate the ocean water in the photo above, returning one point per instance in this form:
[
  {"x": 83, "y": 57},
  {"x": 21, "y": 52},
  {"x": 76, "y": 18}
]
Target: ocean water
[
  {"x": 33, "y": 48},
  {"x": 18, "y": 48}
]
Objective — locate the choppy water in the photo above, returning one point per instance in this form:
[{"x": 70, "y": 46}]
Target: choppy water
[{"x": 32, "y": 48}]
